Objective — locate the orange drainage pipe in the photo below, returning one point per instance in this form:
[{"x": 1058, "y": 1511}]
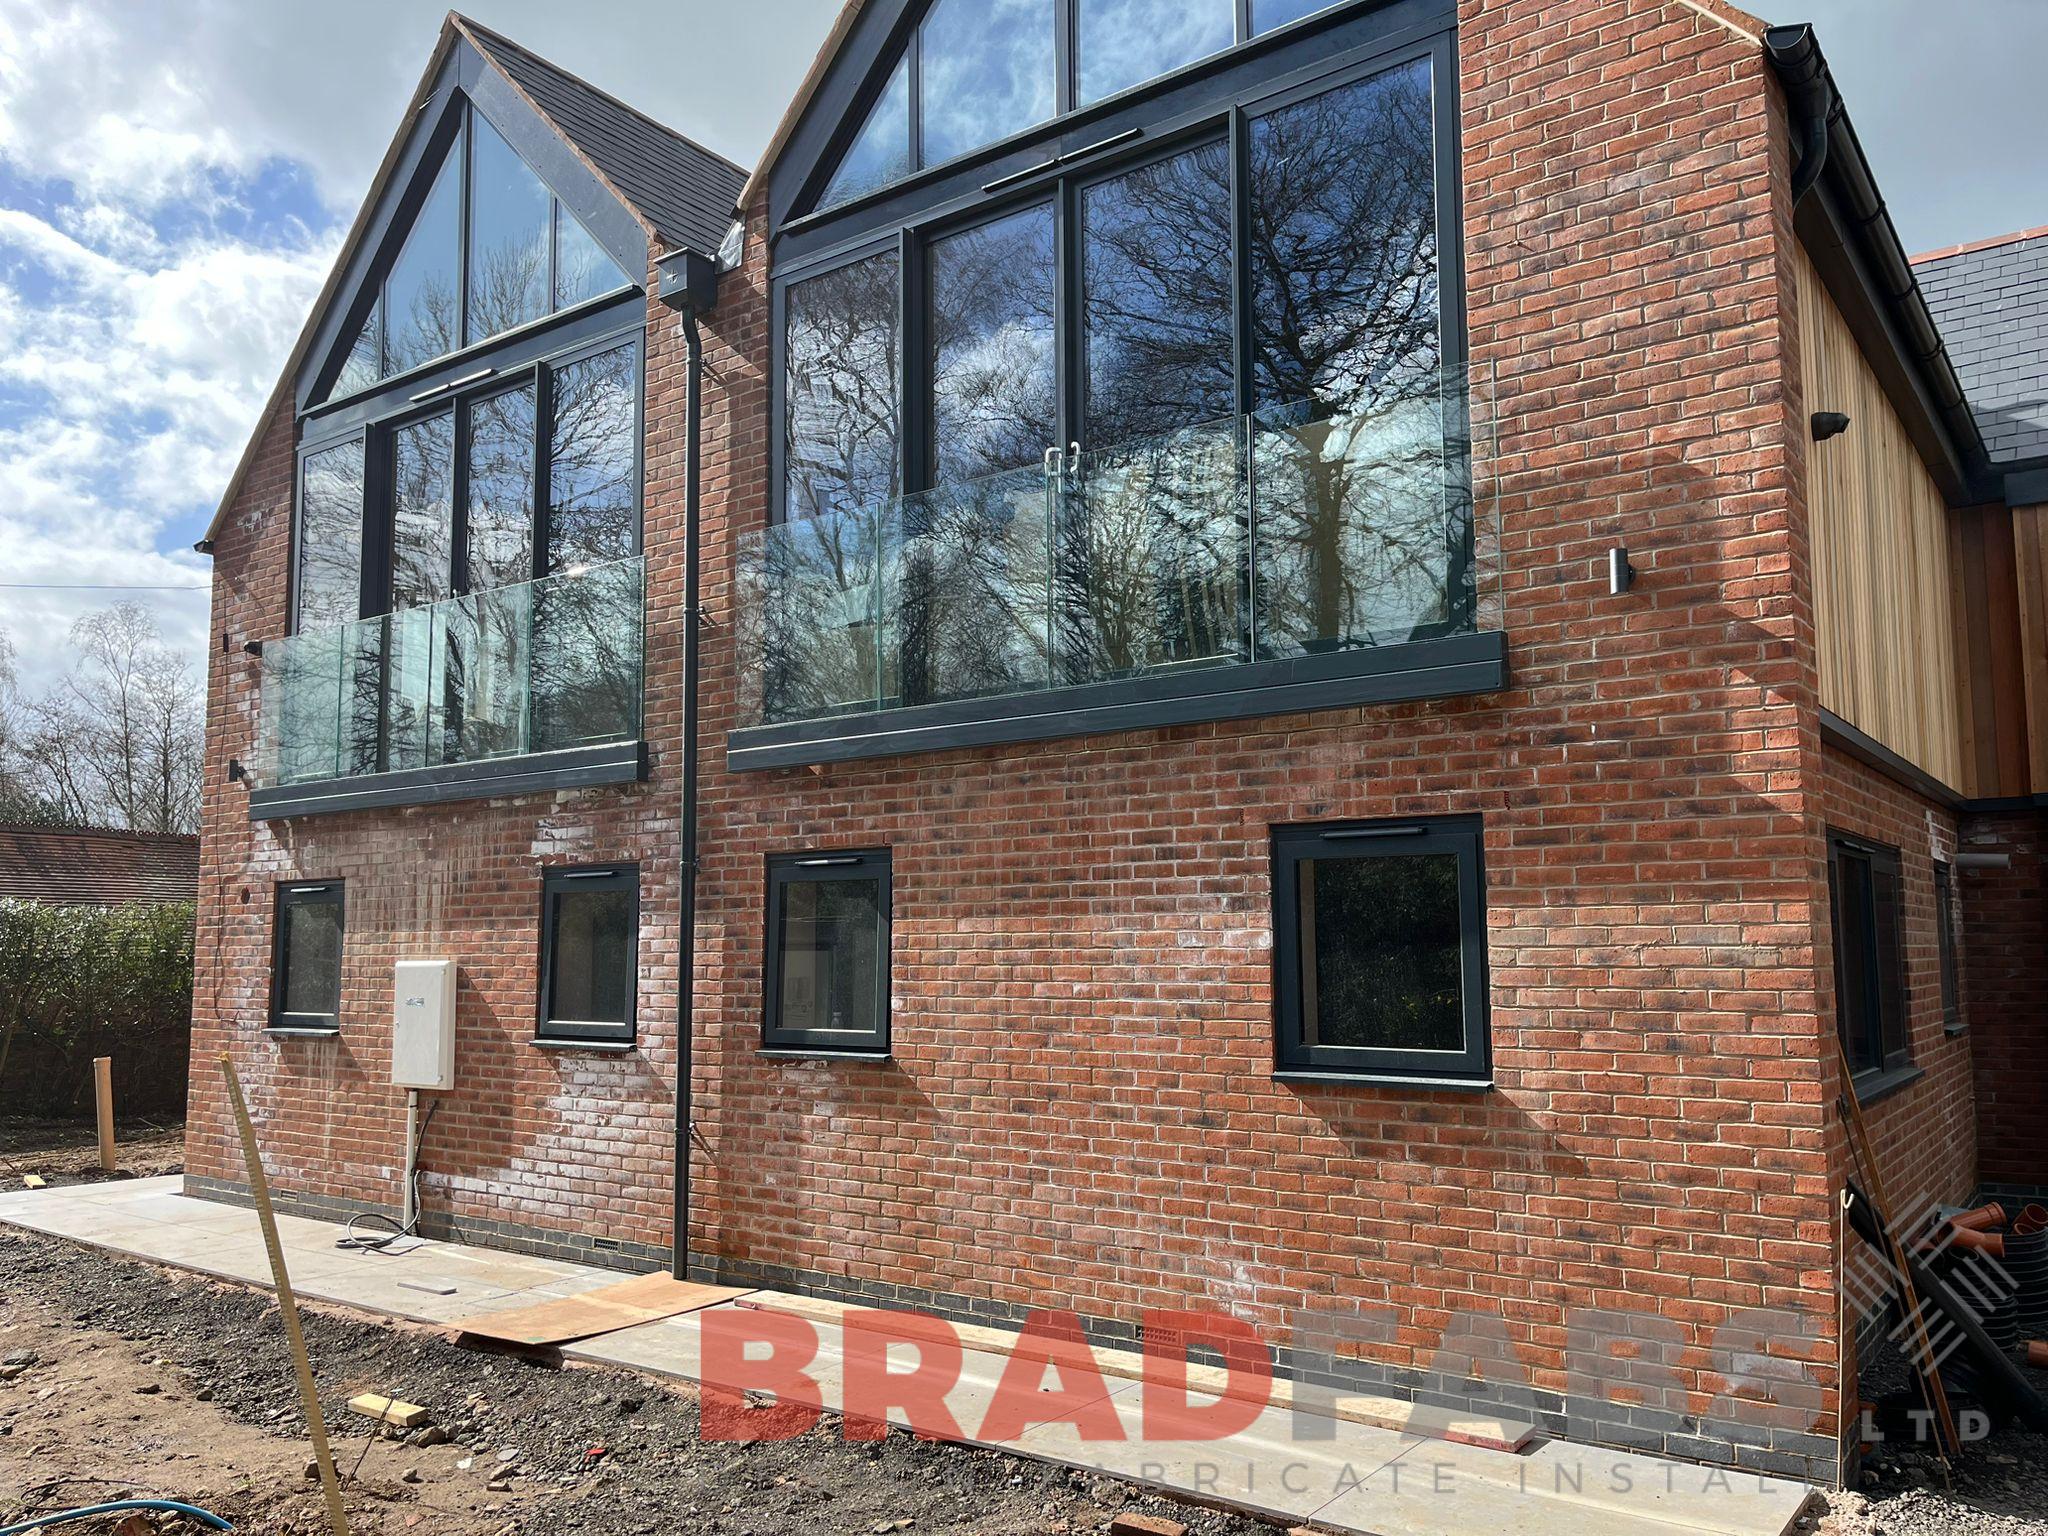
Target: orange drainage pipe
[
  {"x": 1981, "y": 1219},
  {"x": 2033, "y": 1218},
  {"x": 1975, "y": 1242}
]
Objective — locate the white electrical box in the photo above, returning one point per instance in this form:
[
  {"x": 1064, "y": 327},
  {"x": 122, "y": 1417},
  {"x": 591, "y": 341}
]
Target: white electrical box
[{"x": 423, "y": 1024}]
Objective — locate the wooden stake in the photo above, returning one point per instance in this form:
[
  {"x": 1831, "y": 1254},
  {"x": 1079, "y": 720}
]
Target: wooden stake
[
  {"x": 287, "y": 1305},
  {"x": 1948, "y": 1443},
  {"x": 103, "y": 1100}
]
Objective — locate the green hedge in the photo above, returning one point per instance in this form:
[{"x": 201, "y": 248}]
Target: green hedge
[{"x": 80, "y": 982}]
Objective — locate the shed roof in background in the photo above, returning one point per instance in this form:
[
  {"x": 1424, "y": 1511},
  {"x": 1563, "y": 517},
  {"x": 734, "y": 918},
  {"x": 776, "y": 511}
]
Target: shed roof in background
[{"x": 96, "y": 867}]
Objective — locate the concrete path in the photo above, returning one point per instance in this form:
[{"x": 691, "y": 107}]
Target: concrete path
[{"x": 1360, "y": 1479}]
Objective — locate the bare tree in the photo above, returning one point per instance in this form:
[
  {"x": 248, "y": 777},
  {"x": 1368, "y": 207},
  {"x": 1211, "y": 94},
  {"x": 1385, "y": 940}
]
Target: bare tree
[{"x": 116, "y": 742}]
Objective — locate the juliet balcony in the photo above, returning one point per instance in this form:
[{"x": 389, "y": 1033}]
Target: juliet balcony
[
  {"x": 1259, "y": 565},
  {"x": 531, "y": 686}
]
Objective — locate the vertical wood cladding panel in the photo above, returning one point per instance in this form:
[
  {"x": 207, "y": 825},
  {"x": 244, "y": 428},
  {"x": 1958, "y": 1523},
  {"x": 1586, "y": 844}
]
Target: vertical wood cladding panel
[{"x": 1880, "y": 556}]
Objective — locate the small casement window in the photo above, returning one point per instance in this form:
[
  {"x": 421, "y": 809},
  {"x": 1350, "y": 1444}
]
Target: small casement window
[
  {"x": 1379, "y": 949},
  {"x": 827, "y": 982},
  {"x": 1945, "y": 942},
  {"x": 305, "y": 971},
  {"x": 589, "y": 954},
  {"x": 1870, "y": 978}
]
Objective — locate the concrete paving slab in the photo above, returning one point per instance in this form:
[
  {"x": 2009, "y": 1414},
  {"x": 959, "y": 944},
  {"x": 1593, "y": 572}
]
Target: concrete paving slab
[{"x": 1361, "y": 1479}]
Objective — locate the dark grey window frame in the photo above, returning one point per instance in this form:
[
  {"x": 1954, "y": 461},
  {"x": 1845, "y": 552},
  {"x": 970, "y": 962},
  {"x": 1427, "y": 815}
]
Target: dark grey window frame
[
  {"x": 1884, "y": 977},
  {"x": 1946, "y": 954},
  {"x": 556, "y": 880},
  {"x": 1210, "y": 100},
  {"x": 530, "y": 358},
  {"x": 816, "y": 867},
  {"x": 292, "y": 894},
  {"x": 1457, "y": 835}
]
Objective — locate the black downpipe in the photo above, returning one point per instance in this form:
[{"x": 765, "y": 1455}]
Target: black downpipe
[
  {"x": 1797, "y": 59},
  {"x": 686, "y": 1000}
]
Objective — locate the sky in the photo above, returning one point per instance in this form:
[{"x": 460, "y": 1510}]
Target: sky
[{"x": 175, "y": 179}]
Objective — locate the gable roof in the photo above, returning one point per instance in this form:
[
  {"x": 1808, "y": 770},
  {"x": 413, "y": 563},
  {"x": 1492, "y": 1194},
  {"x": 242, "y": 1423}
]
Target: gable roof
[
  {"x": 92, "y": 866},
  {"x": 686, "y": 194},
  {"x": 629, "y": 152},
  {"x": 828, "y": 52},
  {"x": 1990, "y": 299}
]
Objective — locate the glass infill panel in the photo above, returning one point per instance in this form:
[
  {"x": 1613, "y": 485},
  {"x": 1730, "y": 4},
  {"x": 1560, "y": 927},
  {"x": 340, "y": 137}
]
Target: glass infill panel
[
  {"x": 966, "y": 577},
  {"x": 483, "y": 643},
  {"x": 1295, "y": 532},
  {"x": 1150, "y": 556},
  {"x": 530, "y": 667},
  {"x": 811, "y": 613},
  {"x": 1363, "y": 524},
  {"x": 586, "y": 647}
]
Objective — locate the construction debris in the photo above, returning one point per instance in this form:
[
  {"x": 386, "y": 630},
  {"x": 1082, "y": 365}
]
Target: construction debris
[
  {"x": 1128, "y": 1524},
  {"x": 389, "y": 1410}
]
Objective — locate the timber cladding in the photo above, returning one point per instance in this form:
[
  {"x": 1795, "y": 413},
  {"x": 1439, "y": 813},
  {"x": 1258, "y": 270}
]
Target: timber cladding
[{"x": 1881, "y": 556}]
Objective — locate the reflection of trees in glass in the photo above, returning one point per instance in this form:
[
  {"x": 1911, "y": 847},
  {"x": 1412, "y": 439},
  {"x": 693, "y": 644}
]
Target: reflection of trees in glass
[
  {"x": 880, "y": 152},
  {"x": 583, "y": 268},
  {"x": 1381, "y": 957},
  {"x": 965, "y": 572},
  {"x": 421, "y": 319},
  {"x": 1363, "y": 525},
  {"x": 994, "y": 394},
  {"x": 331, "y": 537},
  {"x": 1122, "y": 43},
  {"x": 811, "y": 621},
  {"x": 842, "y": 423},
  {"x": 985, "y": 71},
  {"x": 593, "y": 462},
  {"x": 586, "y": 657},
  {"x": 423, "y": 511},
  {"x": 508, "y": 236},
  {"x": 1156, "y": 301}
]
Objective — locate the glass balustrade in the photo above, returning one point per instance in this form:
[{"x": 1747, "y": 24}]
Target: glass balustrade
[
  {"x": 535, "y": 667},
  {"x": 1288, "y": 533}
]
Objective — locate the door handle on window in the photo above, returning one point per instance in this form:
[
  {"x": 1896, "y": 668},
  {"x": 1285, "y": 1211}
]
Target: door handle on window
[{"x": 1362, "y": 832}]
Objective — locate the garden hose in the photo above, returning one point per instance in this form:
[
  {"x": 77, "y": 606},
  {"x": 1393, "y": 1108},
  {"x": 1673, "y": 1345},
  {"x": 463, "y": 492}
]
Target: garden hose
[{"x": 204, "y": 1517}]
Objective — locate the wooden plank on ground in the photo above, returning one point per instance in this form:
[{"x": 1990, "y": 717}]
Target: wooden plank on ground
[
  {"x": 647, "y": 1299},
  {"x": 1482, "y": 1430},
  {"x": 388, "y": 1410}
]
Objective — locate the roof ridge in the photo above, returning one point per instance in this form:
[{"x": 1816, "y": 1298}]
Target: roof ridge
[
  {"x": 478, "y": 28},
  {"x": 63, "y": 831},
  {"x": 1989, "y": 243}
]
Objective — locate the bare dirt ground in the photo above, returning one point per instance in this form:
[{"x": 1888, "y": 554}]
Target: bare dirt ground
[
  {"x": 68, "y": 1151},
  {"x": 139, "y": 1381}
]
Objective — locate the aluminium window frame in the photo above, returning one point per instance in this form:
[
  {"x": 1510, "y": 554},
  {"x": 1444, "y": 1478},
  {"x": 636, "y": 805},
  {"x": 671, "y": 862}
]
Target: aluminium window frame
[
  {"x": 1293, "y": 844},
  {"x": 1886, "y": 979},
  {"x": 374, "y": 418},
  {"x": 1153, "y": 121},
  {"x": 290, "y": 895},
  {"x": 556, "y": 879},
  {"x": 817, "y": 867}
]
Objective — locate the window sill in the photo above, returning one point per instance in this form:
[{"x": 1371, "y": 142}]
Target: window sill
[
  {"x": 1385, "y": 1080},
  {"x": 603, "y": 1047},
  {"x": 297, "y": 1032},
  {"x": 806, "y": 1053},
  {"x": 615, "y": 762},
  {"x": 1873, "y": 1086},
  {"x": 1952, "y": 1030},
  {"x": 1449, "y": 666}
]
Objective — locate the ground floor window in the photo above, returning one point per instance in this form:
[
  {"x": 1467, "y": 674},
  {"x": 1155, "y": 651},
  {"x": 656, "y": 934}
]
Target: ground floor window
[
  {"x": 589, "y": 954},
  {"x": 1379, "y": 943},
  {"x": 827, "y": 980},
  {"x": 1870, "y": 979},
  {"x": 305, "y": 989}
]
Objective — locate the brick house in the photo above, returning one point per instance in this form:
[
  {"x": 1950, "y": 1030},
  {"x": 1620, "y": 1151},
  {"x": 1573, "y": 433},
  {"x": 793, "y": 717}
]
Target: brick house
[{"x": 1297, "y": 705}]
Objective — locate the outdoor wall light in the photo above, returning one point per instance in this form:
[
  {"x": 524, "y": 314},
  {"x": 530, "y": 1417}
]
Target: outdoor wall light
[
  {"x": 1827, "y": 424},
  {"x": 237, "y": 774},
  {"x": 1620, "y": 574}
]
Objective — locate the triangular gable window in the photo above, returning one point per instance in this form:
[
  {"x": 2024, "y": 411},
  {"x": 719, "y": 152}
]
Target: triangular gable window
[
  {"x": 523, "y": 257},
  {"x": 880, "y": 152}
]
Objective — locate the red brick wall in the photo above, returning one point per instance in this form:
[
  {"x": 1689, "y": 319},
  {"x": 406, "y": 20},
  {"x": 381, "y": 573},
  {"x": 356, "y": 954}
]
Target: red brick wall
[
  {"x": 2005, "y": 992},
  {"x": 1080, "y": 1109},
  {"x": 575, "y": 1143},
  {"x": 1924, "y": 1135}
]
